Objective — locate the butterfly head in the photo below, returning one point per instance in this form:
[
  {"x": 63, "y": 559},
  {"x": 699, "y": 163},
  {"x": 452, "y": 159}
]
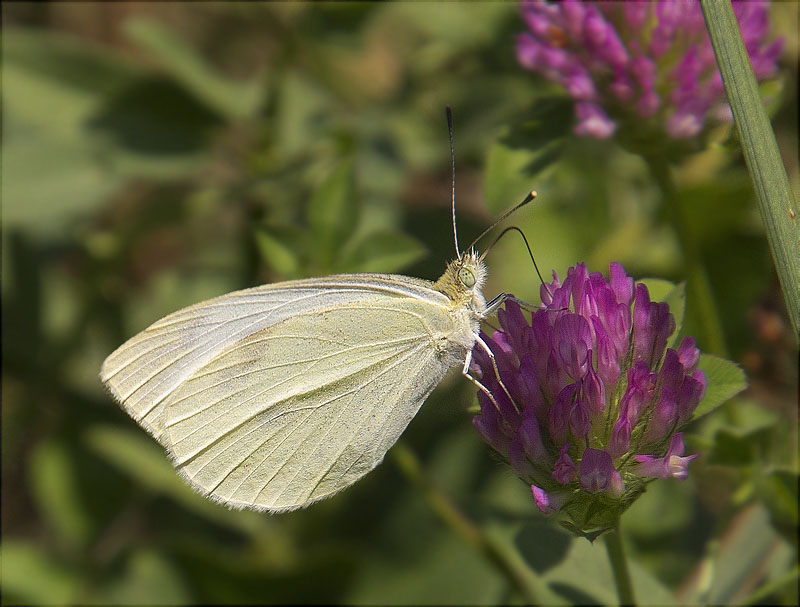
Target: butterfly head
[{"x": 463, "y": 280}]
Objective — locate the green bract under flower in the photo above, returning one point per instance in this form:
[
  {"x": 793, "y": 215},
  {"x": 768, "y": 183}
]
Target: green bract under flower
[{"x": 591, "y": 398}]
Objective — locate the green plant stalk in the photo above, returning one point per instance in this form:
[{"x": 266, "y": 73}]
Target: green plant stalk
[
  {"x": 777, "y": 205},
  {"x": 521, "y": 577},
  {"x": 619, "y": 565},
  {"x": 777, "y": 585},
  {"x": 699, "y": 286}
]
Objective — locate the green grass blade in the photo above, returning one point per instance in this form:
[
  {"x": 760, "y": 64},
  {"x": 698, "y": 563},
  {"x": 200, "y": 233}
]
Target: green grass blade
[{"x": 778, "y": 208}]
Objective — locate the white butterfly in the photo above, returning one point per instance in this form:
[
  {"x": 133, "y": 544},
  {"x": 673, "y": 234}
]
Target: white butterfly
[{"x": 278, "y": 396}]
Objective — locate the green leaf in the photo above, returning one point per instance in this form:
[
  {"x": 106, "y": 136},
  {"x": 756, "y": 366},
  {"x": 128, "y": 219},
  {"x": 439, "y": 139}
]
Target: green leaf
[
  {"x": 54, "y": 482},
  {"x": 155, "y": 128},
  {"x": 54, "y": 83},
  {"x": 658, "y": 288},
  {"x": 671, "y": 504},
  {"x": 441, "y": 572},
  {"x": 148, "y": 578},
  {"x": 279, "y": 257},
  {"x": 108, "y": 121},
  {"x": 138, "y": 455},
  {"x": 384, "y": 251},
  {"x": 75, "y": 185},
  {"x": 751, "y": 416},
  {"x": 233, "y": 100},
  {"x": 31, "y": 576},
  {"x": 725, "y": 380},
  {"x": 748, "y": 546},
  {"x": 302, "y": 109},
  {"x": 141, "y": 458},
  {"x": 676, "y": 299},
  {"x": 332, "y": 212},
  {"x": 595, "y": 583}
]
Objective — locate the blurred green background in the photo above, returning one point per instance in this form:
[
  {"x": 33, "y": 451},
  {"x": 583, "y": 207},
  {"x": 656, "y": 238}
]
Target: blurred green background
[{"x": 158, "y": 154}]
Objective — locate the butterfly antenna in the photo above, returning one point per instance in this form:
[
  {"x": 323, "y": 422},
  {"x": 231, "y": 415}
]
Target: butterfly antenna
[
  {"x": 449, "y": 113},
  {"x": 514, "y": 209},
  {"x": 527, "y": 246}
]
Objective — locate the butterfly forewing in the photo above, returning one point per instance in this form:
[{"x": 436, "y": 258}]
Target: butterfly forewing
[{"x": 146, "y": 369}]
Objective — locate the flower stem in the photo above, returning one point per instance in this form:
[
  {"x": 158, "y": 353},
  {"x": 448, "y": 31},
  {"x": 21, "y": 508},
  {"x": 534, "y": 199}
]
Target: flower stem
[
  {"x": 619, "y": 564},
  {"x": 520, "y": 576},
  {"x": 699, "y": 287}
]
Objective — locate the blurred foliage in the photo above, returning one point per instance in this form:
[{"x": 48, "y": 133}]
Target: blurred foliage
[{"x": 155, "y": 155}]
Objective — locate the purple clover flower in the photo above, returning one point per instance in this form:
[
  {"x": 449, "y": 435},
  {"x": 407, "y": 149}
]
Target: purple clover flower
[
  {"x": 639, "y": 60},
  {"x": 591, "y": 396}
]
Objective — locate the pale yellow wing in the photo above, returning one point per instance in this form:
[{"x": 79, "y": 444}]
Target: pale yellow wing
[
  {"x": 305, "y": 407},
  {"x": 145, "y": 371}
]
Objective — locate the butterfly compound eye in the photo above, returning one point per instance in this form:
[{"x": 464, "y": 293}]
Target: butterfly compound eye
[{"x": 467, "y": 277}]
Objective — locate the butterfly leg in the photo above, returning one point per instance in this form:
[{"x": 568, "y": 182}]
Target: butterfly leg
[
  {"x": 501, "y": 298},
  {"x": 495, "y": 303},
  {"x": 465, "y": 372}
]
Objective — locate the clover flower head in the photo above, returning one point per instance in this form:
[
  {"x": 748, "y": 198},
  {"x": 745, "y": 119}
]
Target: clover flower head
[
  {"x": 634, "y": 61},
  {"x": 590, "y": 399}
]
